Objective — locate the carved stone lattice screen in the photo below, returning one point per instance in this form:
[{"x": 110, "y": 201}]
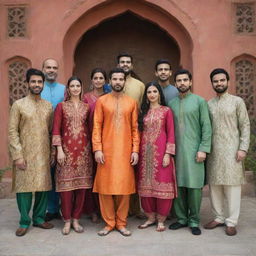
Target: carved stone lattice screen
[
  {"x": 245, "y": 18},
  {"x": 17, "y": 85},
  {"x": 245, "y": 87},
  {"x": 17, "y": 22}
]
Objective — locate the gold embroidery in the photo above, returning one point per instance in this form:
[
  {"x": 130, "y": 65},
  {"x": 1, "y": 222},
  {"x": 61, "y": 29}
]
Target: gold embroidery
[{"x": 149, "y": 185}]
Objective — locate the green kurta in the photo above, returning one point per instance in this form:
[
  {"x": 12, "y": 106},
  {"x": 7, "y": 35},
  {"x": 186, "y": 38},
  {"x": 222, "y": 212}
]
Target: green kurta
[{"x": 193, "y": 133}]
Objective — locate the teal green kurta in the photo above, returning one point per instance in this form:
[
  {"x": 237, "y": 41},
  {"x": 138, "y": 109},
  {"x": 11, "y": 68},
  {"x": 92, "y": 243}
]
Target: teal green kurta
[{"x": 192, "y": 133}]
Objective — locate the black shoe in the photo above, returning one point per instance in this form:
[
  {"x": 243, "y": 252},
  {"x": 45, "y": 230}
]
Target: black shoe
[
  {"x": 195, "y": 231},
  {"x": 177, "y": 225},
  {"x": 51, "y": 216}
]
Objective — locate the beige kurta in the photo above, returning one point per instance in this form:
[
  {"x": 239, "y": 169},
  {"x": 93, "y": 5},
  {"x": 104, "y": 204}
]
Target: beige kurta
[
  {"x": 134, "y": 88},
  {"x": 231, "y": 132},
  {"x": 29, "y": 127}
]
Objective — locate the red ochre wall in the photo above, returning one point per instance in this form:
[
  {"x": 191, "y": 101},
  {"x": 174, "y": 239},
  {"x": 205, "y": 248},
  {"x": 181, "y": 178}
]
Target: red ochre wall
[{"x": 203, "y": 31}]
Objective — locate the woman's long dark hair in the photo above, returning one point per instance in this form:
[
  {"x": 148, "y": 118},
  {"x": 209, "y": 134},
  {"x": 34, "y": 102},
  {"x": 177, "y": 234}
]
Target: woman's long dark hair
[
  {"x": 145, "y": 103},
  {"x": 67, "y": 93}
]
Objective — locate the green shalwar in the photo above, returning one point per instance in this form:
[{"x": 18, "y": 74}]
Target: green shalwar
[
  {"x": 193, "y": 134},
  {"x": 29, "y": 138}
]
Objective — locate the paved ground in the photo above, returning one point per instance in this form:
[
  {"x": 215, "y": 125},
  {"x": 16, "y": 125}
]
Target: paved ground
[{"x": 147, "y": 242}]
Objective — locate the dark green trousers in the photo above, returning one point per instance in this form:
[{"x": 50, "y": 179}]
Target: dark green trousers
[
  {"x": 187, "y": 206},
  {"x": 24, "y": 201}
]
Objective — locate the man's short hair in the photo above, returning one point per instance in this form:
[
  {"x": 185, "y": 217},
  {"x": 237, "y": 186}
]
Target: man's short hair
[
  {"x": 116, "y": 70},
  {"x": 124, "y": 54},
  {"x": 34, "y": 72},
  {"x": 162, "y": 61},
  {"x": 182, "y": 72},
  {"x": 219, "y": 71}
]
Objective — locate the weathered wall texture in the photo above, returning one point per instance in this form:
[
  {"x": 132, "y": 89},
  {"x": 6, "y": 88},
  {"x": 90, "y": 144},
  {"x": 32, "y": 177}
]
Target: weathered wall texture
[{"x": 196, "y": 34}]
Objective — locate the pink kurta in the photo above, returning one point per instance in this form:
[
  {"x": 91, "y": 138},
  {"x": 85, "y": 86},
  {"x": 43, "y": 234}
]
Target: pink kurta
[
  {"x": 157, "y": 139},
  {"x": 70, "y": 129}
]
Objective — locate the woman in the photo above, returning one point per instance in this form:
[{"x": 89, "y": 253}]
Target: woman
[
  {"x": 156, "y": 176},
  {"x": 74, "y": 168},
  {"x": 98, "y": 80}
]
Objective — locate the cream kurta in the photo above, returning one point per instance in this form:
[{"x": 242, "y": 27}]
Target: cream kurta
[
  {"x": 231, "y": 132},
  {"x": 29, "y": 126},
  {"x": 134, "y": 88}
]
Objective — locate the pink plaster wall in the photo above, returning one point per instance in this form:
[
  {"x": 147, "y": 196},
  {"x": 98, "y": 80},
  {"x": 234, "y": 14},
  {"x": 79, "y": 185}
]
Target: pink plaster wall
[{"x": 202, "y": 29}]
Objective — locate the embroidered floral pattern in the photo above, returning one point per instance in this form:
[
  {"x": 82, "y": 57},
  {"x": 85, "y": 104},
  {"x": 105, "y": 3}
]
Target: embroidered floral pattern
[
  {"x": 154, "y": 179},
  {"x": 71, "y": 131}
]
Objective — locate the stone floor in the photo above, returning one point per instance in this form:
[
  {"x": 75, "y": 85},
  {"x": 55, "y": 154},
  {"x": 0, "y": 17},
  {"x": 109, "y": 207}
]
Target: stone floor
[{"x": 38, "y": 242}]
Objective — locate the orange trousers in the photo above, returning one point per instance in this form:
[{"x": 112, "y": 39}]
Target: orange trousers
[{"x": 114, "y": 210}]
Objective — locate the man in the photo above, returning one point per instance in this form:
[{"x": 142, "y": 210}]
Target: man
[
  {"x": 54, "y": 93},
  {"x": 29, "y": 138},
  {"x": 135, "y": 89},
  {"x": 193, "y": 141},
  {"x": 230, "y": 142},
  {"x": 163, "y": 72},
  {"x": 116, "y": 145}
]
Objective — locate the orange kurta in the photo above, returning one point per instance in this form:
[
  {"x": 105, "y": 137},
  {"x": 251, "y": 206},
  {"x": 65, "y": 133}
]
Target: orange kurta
[{"x": 115, "y": 132}]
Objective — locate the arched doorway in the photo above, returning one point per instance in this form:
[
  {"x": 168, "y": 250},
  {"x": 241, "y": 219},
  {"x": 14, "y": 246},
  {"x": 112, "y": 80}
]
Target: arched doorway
[{"x": 127, "y": 32}]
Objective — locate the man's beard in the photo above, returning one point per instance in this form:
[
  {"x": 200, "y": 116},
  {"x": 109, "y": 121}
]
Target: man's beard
[
  {"x": 184, "y": 90},
  {"x": 35, "y": 93},
  {"x": 50, "y": 77},
  {"x": 117, "y": 90},
  {"x": 220, "y": 90}
]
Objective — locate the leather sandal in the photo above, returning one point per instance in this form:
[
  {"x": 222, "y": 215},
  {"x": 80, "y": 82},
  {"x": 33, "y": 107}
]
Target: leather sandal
[
  {"x": 147, "y": 224},
  {"x": 160, "y": 227},
  {"x": 124, "y": 232},
  {"x": 66, "y": 228},
  {"x": 77, "y": 227},
  {"x": 104, "y": 232}
]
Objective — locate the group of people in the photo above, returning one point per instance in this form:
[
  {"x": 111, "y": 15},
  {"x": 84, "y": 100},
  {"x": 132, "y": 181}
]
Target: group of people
[{"x": 125, "y": 147}]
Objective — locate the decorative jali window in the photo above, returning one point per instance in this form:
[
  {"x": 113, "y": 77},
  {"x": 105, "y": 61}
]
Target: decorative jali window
[
  {"x": 17, "y": 22},
  {"x": 245, "y": 82},
  {"x": 17, "y": 81},
  {"x": 245, "y": 17}
]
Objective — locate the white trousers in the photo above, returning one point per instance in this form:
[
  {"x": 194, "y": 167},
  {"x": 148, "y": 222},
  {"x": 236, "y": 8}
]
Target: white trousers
[{"x": 228, "y": 213}]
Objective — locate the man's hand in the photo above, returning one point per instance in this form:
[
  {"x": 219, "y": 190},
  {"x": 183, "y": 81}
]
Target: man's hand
[
  {"x": 134, "y": 158},
  {"x": 99, "y": 157},
  {"x": 20, "y": 164},
  {"x": 240, "y": 155},
  {"x": 200, "y": 156},
  {"x": 166, "y": 160}
]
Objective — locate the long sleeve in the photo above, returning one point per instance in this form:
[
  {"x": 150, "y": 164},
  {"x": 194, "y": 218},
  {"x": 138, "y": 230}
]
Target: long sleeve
[
  {"x": 206, "y": 128},
  {"x": 57, "y": 125},
  {"x": 135, "y": 131},
  {"x": 170, "y": 140},
  {"x": 14, "y": 135},
  {"x": 97, "y": 127},
  {"x": 243, "y": 125}
]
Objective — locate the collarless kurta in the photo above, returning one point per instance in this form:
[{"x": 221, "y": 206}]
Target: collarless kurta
[
  {"x": 192, "y": 134},
  {"x": 29, "y": 138},
  {"x": 115, "y": 132},
  {"x": 231, "y": 132}
]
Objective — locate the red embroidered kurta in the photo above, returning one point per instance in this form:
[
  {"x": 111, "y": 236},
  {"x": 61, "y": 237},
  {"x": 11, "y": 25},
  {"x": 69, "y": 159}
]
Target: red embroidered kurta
[
  {"x": 70, "y": 129},
  {"x": 157, "y": 139}
]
